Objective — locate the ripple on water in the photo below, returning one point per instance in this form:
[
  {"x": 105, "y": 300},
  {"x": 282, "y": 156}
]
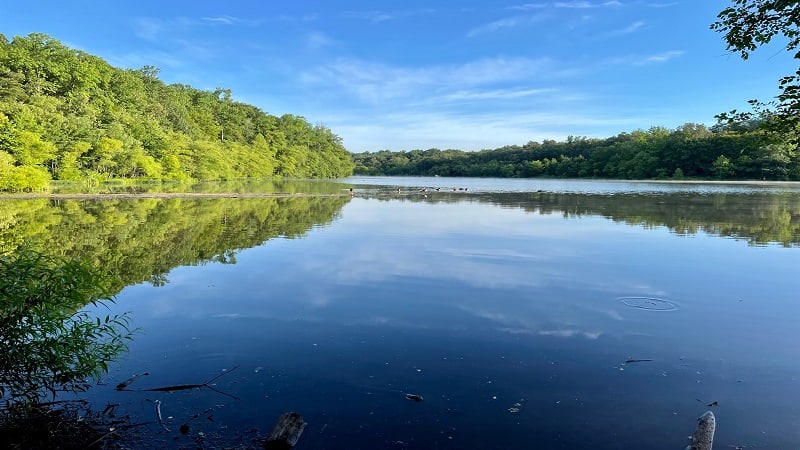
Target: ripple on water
[{"x": 648, "y": 303}]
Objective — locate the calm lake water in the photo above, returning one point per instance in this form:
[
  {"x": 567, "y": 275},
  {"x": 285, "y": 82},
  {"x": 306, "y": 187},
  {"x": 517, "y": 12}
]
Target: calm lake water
[{"x": 547, "y": 314}]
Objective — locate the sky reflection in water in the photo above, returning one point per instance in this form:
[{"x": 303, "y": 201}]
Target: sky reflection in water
[{"x": 477, "y": 307}]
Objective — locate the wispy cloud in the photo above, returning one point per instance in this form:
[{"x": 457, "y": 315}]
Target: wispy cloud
[
  {"x": 528, "y": 6},
  {"x": 661, "y": 5},
  {"x": 383, "y": 16},
  {"x": 491, "y": 27},
  {"x": 151, "y": 29},
  {"x": 643, "y": 60},
  {"x": 586, "y": 5},
  {"x": 224, "y": 20},
  {"x": 371, "y": 16},
  {"x": 569, "y": 5},
  {"x": 499, "y": 94},
  {"x": 629, "y": 29},
  {"x": 375, "y": 83},
  {"x": 662, "y": 57}
]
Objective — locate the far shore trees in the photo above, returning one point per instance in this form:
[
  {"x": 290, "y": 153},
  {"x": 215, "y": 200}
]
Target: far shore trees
[{"x": 736, "y": 151}]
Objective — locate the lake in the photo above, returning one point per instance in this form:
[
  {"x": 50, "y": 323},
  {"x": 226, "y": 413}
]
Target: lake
[{"x": 548, "y": 314}]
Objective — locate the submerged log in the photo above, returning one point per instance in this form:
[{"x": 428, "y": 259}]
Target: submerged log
[
  {"x": 703, "y": 436},
  {"x": 286, "y": 431}
]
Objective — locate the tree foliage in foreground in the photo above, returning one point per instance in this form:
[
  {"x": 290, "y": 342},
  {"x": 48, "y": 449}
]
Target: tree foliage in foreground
[
  {"x": 749, "y": 24},
  {"x": 49, "y": 341},
  {"x": 68, "y": 115},
  {"x": 729, "y": 151}
]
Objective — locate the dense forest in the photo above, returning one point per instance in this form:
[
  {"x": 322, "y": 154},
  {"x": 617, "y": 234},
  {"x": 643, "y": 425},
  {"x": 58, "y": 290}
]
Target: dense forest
[
  {"x": 725, "y": 151},
  {"x": 68, "y": 115}
]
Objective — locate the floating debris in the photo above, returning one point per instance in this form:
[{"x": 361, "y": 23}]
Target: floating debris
[
  {"x": 414, "y": 397},
  {"x": 648, "y": 303},
  {"x": 517, "y": 407},
  {"x": 631, "y": 360},
  {"x": 160, "y": 418},
  {"x": 130, "y": 380}
]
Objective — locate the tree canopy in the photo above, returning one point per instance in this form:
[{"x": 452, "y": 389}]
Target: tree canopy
[
  {"x": 749, "y": 24},
  {"x": 725, "y": 151},
  {"x": 69, "y": 115}
]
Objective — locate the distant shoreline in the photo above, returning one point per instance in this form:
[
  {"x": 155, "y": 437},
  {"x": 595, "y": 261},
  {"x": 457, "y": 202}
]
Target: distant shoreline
[{"x": 169, "y": 195}]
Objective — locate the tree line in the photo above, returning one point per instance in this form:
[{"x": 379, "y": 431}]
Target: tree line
[
  {"x": 726, "y": 151},
  {"x": 69, "y": 115}
]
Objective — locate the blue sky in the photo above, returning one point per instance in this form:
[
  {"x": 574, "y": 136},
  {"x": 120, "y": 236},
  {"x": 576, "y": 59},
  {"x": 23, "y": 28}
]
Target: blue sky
[{"x": 417, "y": 74}]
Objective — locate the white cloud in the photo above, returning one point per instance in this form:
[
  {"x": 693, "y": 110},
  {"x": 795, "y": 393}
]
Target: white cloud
[
  {"x": 383, "y": 16},
  {"x": 643, "y": 60},
  {"x": 371, "y": 16},
  {"x": 528, "y": 6},
  {"x": 663, "y": 57},
  {"x": 586, "y": 5},
  {"x": 475, "y": 105},
  {"x": 498, "y": 94},
  {"x": 225, "y": 20},
  {"x": 375, "y": 82},
  {"x": 631, "y": 28},
  {"x": 491, "y": 27}
]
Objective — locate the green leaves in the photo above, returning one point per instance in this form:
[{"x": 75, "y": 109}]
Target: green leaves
[
  {"x": 50, "y": 341},
  {"x": 753, "y": 23}
]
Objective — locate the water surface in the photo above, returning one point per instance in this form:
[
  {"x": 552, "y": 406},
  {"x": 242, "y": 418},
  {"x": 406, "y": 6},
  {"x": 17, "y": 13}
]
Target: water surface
[{"x": 527, "y": 313}]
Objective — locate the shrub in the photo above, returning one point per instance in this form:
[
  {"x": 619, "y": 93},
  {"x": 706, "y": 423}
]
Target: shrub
[{"x": 49, "y": 340}]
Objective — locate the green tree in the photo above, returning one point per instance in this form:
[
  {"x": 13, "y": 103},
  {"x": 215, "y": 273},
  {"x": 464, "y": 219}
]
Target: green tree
[
  {"x": 722, "y": 167},
  {"x": 748, "y": 24},
  {"x": 31, "y": 150}
]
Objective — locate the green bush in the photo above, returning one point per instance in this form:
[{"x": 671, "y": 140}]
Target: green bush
[{"x": 49, "y": 340}]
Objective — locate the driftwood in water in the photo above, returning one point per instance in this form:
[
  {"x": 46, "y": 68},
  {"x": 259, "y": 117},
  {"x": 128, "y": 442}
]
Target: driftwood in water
[
  {"x": 178, "y": 387},
  {"x": 703, "y": 436},
  {"x": 286, "y": 431}
]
